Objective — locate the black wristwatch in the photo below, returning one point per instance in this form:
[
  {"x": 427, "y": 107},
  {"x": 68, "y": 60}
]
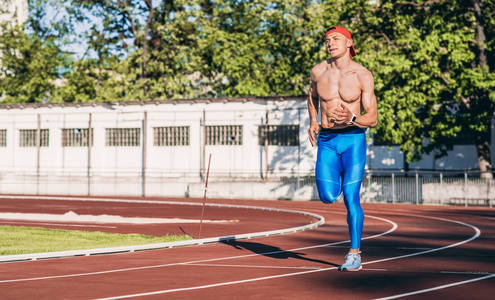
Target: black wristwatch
[{"x": 353, "y": 119}]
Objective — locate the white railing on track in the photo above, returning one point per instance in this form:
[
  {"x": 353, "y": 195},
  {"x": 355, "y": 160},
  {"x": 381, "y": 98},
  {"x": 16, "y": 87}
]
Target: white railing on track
[{"x": 123, "y": 249}]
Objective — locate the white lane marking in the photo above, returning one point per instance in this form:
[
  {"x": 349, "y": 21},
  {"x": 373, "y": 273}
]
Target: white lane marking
[
  {"x": 278, "y": 276},
  {"x": 478, "y": 232},
  {"x": 56, "y": 224},
  {"x": 412, "y": 248},
  {"x": 254, "y": 266},
  {"x": 475, "y": 273},
  {"x": 74, "y": 217},
  {"x": 166, "y": 265},
  {"x": 394, "y": 227},
  {"x": 215, "y": 284},
  {"x": 436, "y": 288}
]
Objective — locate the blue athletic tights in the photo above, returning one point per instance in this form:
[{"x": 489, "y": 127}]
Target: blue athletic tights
[{"x": 340, "y": 168}]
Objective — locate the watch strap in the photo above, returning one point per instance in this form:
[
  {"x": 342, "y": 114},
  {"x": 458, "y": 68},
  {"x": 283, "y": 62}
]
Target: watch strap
[{"x": 353, "y": 119}]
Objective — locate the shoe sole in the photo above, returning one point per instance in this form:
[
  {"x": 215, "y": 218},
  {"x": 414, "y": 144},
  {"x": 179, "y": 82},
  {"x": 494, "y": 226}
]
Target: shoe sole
[{"x": 351, "y": 270}]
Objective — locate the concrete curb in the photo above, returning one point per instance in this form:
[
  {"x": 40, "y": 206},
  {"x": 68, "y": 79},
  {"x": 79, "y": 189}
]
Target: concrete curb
[{"x": 99, "y": 251}]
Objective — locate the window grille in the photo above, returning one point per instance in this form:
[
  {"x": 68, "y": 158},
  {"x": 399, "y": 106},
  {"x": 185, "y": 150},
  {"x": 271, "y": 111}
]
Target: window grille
[
  {"x": 3, "y": 137},
  {"x": 279, "y": 135},
  {"x": 171, "y": 136},
  {"x": 76, "y": 137},
  {"x": 224, "y": 135},
  {"x": 122, "y": 137},
  {"x": 27, "y": 137}
]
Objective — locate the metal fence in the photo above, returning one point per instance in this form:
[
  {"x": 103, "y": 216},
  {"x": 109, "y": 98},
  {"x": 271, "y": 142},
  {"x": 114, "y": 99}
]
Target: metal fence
[
  {"x": 453, "y": 188},
  {"x": 441, "y": 188}
]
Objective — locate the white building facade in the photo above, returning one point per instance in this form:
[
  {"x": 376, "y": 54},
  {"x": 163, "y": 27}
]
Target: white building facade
[{"x": 162, "y": 148}]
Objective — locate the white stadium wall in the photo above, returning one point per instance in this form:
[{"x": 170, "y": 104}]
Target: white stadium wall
[{"x": 156, "y": 170}]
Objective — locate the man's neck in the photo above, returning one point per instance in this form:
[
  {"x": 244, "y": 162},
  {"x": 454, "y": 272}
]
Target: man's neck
[{"x": 340, "y": 63}]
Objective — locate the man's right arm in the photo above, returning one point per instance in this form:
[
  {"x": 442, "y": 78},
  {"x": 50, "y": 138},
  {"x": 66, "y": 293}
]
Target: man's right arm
[{"x": 313, "y": 103}]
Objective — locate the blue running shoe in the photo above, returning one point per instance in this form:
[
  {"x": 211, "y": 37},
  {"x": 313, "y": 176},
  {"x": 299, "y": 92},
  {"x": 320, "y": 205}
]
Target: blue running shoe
[{"x": 352, "y": 262}]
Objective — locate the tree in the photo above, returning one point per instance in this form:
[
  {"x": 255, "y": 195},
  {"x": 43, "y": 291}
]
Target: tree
[
  {"x": 201, "y": 48},
  {"x": 261, "y": 47},
  {"x": 32, "y": 62},
  {"x": 29, "y": 67},
  {"x": 120, "y": 21},
  {"x": 434, "y": 72},
  {"x": 433, "y": 60}
]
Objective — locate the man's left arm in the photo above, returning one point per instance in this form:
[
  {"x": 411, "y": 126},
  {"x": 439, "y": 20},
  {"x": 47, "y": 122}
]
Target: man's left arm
[{"x": 368, "y": 102}]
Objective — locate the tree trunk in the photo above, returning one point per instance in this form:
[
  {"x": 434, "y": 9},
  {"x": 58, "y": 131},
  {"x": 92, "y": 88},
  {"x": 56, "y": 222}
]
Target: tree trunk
[
  {"x": 482, "y": 138},
  {"x": 483, "y": 150},
  {"x": 145, "y": 44}
]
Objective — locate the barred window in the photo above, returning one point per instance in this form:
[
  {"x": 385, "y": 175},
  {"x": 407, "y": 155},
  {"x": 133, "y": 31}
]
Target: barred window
[
  {"x": 27, "y": 137},
  {"x": 3, "y": 137},
  {"x": 122, "y": 137},
  {"x": 224, "y": 135},
  {"x": 171, "y": 136},
  {"x": 76, "y": 137},
  {"x": 279, "y": 135}
]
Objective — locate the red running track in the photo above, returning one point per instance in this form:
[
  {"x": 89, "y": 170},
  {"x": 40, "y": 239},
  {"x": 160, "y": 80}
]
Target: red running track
[{"x": 413, "y": 252}]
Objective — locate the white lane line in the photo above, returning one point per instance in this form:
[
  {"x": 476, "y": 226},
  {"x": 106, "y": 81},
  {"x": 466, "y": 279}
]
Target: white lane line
[
  {"x": 436, "y": 288},
  {"x": 472, "y": 273},
  {"x": 56, "y": 224},
  {"x": 478, "y": 232},
  {"x": 259, "y": 267},
  {"x": 394, "y": 227},
  {"x": 165, "y": 265},
  {"x": 215, "y": 284},
  {"x": 364, "y": 270},
  {"x": 71, "y": 216}
]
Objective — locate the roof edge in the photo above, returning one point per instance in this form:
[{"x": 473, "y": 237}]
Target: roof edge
[{"x": 154, "y": 102}]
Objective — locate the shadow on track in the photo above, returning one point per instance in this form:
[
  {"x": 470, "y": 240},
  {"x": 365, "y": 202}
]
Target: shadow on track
[{"x": 273, "y": 251}]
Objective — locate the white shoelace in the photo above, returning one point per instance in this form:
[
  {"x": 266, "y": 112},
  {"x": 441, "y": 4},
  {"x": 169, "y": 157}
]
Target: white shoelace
[{"x": 351, "y": 257}]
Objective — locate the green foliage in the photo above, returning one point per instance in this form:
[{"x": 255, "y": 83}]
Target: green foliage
[
  {"x": 433, "y": 61},
  {"x": 188, "y": 49},
  {"x": 431, "y": 81},
  {"x": 260, "y": 47},
  {"x": 29, "y": 66}
]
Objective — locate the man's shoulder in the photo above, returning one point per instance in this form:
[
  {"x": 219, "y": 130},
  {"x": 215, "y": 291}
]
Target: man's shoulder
[
  {"x": 364, "y": 76},
  {"x": 360, "y": 70},
  {"x": 318, "y": 68},
  {"x": 359, "y": 67}
]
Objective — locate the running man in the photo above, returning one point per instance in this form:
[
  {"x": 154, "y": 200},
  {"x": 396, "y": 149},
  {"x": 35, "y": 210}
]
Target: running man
[{"x": 344, "y": 91}]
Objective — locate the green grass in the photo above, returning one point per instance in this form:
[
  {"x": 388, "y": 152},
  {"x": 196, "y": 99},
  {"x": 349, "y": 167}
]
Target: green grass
[{"x": 24, "y": 240}]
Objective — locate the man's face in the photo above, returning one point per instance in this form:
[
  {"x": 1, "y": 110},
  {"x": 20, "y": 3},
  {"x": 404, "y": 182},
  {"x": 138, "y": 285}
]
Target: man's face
[{"x": 337, "y": 44}]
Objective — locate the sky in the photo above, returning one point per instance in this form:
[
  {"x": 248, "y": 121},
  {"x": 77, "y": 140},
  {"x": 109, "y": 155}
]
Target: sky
[{"x": 79, "y": 46}]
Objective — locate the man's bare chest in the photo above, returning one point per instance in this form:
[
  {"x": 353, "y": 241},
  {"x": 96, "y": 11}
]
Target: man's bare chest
[{"x": 337, "y": 85}]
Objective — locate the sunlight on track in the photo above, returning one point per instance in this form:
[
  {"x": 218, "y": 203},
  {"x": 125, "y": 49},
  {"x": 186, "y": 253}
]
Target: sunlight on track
[
  {"x": 296, "y": 270},
  {"x": 436, "y": 288},
  {"x": 394, "y": 227},
  {"x": 477, "y": 233}
]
